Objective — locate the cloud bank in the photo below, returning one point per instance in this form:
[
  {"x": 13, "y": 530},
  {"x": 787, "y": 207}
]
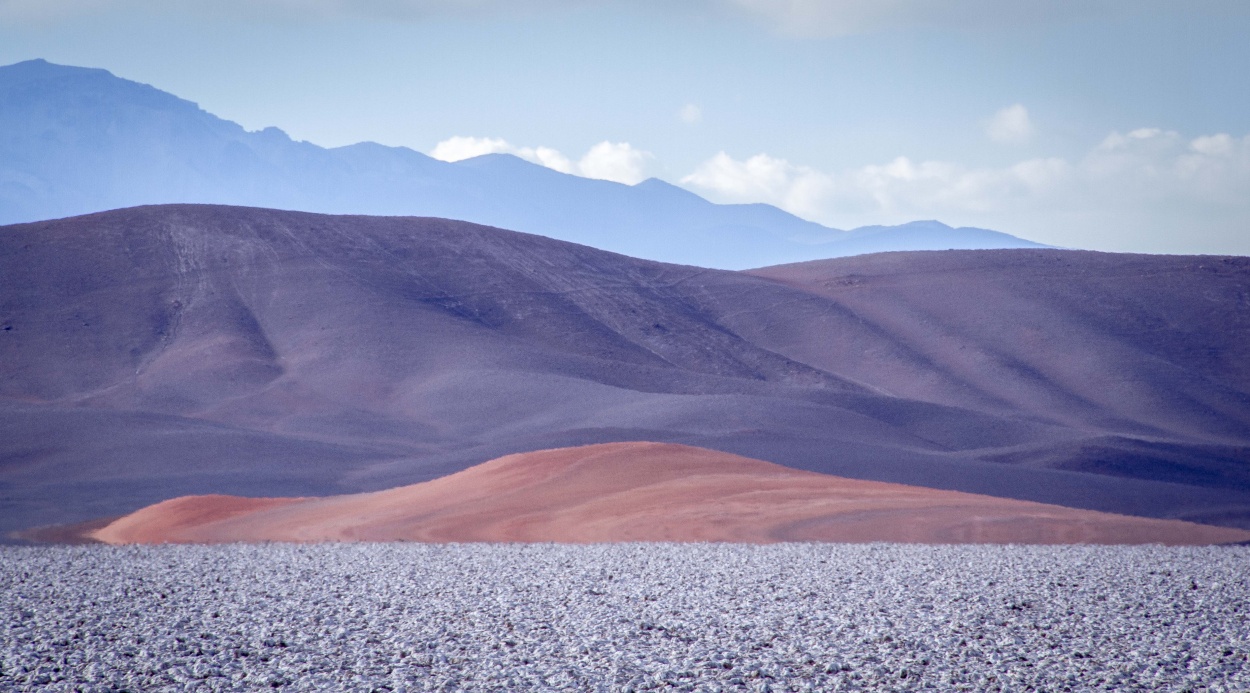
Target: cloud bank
[
  {"x": 614, "y": 161},
  {"x": 1147, "y": 189}
]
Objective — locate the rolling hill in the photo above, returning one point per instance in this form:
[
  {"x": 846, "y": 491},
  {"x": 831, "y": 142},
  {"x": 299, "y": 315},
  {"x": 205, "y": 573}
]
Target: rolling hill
[{"x": 174, "y": 350}]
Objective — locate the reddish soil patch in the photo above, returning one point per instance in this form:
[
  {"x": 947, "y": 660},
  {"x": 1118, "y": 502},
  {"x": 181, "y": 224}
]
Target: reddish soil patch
[
  {"x": 645, "y": 492},
  {"x": 156, "y": 523}
]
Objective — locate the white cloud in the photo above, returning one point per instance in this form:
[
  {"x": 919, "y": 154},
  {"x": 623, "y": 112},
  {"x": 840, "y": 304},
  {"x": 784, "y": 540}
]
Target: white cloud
[
  {"x": 690, "y": 114},
  {"x": 1147, "y": 190},
  {"x": 546, "y": 156},
  {"x": 763, "y": 178},
  {"x": 900, "y": 190},
  {"x": 1158, "y": 167},
  {"x": 1011, "y": 125},
  {"x": 760, "y": 178},
  {"x": 457, "y": 148},
  {"x": 614, "y": 161},
  {"x": 1214, "y": 145}
]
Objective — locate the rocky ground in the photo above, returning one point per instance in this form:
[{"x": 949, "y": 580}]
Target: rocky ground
[{"x": 365, "y": 617}]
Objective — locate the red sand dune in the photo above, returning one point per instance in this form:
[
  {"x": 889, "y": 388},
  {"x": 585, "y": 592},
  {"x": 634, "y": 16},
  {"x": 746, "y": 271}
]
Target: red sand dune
[{"x": 644, "y": 492}]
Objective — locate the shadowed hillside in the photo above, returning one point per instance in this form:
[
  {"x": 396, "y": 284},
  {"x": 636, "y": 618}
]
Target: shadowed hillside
[
  {"x": 1150, "y": 350},
  {"x": 162, "y": 351}
]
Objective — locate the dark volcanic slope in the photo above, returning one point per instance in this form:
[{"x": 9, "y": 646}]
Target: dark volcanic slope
[{"x": 162, "y": 351}]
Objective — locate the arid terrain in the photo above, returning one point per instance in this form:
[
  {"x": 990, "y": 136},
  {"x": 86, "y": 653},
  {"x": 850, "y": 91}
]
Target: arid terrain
[
  {"x": 750, "y": 346},
  {"x": 158, "y": 352},
  {"x": 644, "y": 492},
  {"x": 541, "y": 617}
]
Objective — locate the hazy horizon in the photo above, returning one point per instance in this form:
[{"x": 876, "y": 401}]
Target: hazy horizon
[{"x": 1103, "y": 125}]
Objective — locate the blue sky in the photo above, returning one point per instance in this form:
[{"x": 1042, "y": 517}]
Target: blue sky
[{"x": 1106, "y": 124}]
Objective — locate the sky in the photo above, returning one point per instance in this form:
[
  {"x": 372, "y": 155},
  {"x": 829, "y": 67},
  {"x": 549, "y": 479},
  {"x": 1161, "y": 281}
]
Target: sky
[{"x": 1104, "y": 124}]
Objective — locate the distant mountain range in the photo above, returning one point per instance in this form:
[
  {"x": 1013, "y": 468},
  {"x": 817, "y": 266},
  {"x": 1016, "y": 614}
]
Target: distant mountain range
[
  {"x": 77, "y": 140},
  {"x": 160, "y": 351}
]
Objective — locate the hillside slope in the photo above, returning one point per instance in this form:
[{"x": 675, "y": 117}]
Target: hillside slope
[{"x": 162, "y": 351}]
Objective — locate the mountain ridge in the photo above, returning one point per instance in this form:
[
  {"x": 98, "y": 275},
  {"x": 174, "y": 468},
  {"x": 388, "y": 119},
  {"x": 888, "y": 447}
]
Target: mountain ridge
[{"x": 80, "y": 140}]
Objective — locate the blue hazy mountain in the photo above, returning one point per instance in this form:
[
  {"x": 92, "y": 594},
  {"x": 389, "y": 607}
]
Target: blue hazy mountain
[{"x": 77, "y": 140}]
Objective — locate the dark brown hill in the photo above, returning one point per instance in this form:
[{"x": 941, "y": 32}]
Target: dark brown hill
[{"x": 162, "y": 351}]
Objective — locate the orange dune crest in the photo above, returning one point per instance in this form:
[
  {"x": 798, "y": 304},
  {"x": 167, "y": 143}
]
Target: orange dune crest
[{"x": 644, "y": 492}]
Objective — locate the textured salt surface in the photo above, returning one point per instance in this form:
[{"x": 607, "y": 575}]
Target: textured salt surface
[{"x": 625, "y": 616}]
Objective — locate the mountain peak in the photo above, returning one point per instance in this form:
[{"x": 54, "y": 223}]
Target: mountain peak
[
  {"x": 509, "y": 163},
  {"x": 39, "y": 69},
  {"x": 273, "y": 134},
  {"x": 87, "y": 93}
]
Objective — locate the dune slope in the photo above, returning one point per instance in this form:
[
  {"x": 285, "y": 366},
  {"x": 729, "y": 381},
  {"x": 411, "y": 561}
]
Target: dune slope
[{"x": 644, "y": 492}]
